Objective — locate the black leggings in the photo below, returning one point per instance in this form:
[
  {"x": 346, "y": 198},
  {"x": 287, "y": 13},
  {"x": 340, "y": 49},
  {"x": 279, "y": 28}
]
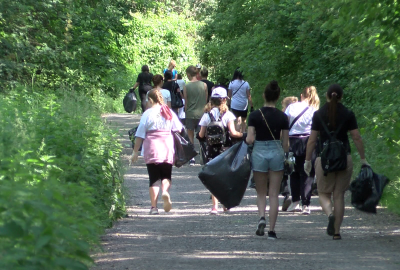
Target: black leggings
[
  {"x": 142, "y": 95},
  {"x": 300, "y": 183}
]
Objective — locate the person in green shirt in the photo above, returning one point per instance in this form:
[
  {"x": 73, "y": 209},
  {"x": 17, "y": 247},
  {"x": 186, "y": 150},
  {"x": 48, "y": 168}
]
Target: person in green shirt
[{"x": 196, "y": 95}]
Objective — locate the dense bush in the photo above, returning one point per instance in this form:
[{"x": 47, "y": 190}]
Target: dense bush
[
  {"x": 60, "y": 180},
  {"x": 319, "y": 42}
]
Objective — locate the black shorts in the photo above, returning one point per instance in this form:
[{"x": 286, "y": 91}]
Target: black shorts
[
  {"x": 159, "y": 171},
  {"x": 239, "y": 113}
]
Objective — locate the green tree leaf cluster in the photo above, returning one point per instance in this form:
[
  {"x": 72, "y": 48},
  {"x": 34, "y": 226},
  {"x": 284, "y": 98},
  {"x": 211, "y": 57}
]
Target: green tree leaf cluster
[{"x": 318, "y": 42}]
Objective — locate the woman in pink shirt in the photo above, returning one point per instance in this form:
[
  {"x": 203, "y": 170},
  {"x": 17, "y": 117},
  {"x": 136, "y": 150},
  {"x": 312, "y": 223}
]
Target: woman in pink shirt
[{"x": 154, "y": 131}]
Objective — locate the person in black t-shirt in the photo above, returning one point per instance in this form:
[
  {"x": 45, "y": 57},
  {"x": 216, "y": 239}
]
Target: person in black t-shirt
[
  {"x": 144, "y": 83},
  {"x": 265, "y": 128},
  {"x": 210, "y": 85},
  {"x": 172, "y": 86},
  {"x": 334, "y": 115}
]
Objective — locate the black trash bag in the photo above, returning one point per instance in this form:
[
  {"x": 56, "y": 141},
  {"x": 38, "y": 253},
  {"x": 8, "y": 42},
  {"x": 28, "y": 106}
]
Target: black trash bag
[
  {"x": 184, "y": 149},
  {"x": 227, "y": 175},
  {"x": 367, "y": 190},
  {"x": 130, "y": 101},
  {"x": 132, "y": 137}
]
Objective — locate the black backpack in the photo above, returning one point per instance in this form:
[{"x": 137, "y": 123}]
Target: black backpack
[
  {"x": 215, "y": 131},
  {"x": 333, "y": 151}
]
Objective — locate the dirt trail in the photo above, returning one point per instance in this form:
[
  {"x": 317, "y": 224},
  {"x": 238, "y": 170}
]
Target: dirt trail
[{"x": 189, "y": 238}]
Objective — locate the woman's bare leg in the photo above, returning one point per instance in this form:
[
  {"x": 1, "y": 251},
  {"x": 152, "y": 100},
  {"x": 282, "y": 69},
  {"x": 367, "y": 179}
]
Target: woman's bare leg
[
  {"x": 153, "y": 192},
  {"x": 338, "y": 210},
  {"x": 325, "y": 202},
  {"x": 275, "y": 179},
  {"x": 261, "y": 180}
]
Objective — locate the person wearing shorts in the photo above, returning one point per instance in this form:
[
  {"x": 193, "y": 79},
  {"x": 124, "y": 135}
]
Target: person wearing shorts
[
  {"x": 265, "y": 128},
  {"x": 239, "y": 93},
  {"x": 154, "y": 131},
  {"x": 196, "y": 95},
  {"x": 334, "y": 184}
]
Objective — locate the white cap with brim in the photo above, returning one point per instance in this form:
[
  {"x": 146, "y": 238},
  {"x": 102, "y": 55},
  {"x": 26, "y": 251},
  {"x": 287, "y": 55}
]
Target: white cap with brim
[{"x": 219, "y": 92}]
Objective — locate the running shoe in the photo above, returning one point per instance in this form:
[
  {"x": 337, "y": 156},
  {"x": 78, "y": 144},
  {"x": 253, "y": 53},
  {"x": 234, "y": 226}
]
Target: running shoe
[
  {"x": 286, "y": 203},
  {"x": 167, "y": 201},
  {"x": 153, "y": 211},
  {"x": 192, "y": 162},
  {"x": 272, "y": 235},
  {"x": 214, "y": 211},
  {"x": 306, "y": 210},
  {"x": 294, "y": 207},
  {"x": 261, "y": 226}
]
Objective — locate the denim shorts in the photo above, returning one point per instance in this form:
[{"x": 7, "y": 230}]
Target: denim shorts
[{"x": 267, "y": 156}]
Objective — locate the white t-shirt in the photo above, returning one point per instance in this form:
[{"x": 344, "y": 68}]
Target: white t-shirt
[
  {"x": 181, "y": 84},
  {"x": 239, "y": 97},
  {"x": 181, "y": 111},
  {"x": 303, "y": 124},
  {"x": 165, "y": 94},
  {"x": 226, "y": 118},
  {"x": 152, "y": 120}
]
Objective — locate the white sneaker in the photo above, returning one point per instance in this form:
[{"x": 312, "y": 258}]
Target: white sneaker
[
  {"x": 294, "y": 207},
  {"x": 306, "y": 210},
  {"x": 153, "y": 211},
  {"x": 214, "y": 211},
  {"x": 167, "y": 201}
]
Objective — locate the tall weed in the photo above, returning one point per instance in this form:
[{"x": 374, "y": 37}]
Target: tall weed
[{"x": 60, "y": 180}]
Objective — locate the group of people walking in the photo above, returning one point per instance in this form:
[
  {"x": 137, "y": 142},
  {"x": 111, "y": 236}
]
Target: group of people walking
[{"x": 272, "y": 133}]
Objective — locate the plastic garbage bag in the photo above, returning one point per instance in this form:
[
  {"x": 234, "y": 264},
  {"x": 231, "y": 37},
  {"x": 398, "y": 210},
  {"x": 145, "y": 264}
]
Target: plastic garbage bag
[
  {"x": 367, "y": 189},
  {"x": 227, "y": 175},
  {"x": 184, "y": 149},
  {"x": 130, "y": 101}
]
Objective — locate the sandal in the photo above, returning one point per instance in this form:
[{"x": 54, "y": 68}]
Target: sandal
[
  {"x": 337, "y": 237},
  {"x": 330, "y": 230}
]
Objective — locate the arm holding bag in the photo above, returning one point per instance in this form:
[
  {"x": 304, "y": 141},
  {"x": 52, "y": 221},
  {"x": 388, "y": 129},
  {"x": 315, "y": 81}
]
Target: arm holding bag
[{"x": 227, "y": 175}]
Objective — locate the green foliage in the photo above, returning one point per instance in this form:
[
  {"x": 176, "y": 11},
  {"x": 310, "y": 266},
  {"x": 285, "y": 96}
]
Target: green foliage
[
  {"x": 48, "y": 44},
  {"x": 319, "y": 42},
  {"x": 154, "y": 40},
  {"x": 60, "y": 180}
]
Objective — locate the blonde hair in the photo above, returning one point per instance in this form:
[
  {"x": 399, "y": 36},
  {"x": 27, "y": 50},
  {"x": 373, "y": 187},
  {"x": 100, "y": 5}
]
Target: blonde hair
[
  {"x": 287, "y": 101},
  {"x": 156, "y": 96},
  {"x": 310, "y": 92},
  {"x": 216, "y": 103},
  {"x": 171, "y": 65}
]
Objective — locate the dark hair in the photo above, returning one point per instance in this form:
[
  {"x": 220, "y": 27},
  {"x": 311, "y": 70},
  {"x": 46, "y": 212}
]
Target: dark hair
[
  {"x": 168, "y": 75},
  {"x": 335, "y": 93},
  {"x": 157, "y": 79},
  {"x": 237, "y": 75},
  {"x": 179, "y": 77},
  {"x": 191, "y": 71},
  {"x": 272, "y": 91},
  {"x": 204, "y": 72},
  {"x": 145, "y": 68}
]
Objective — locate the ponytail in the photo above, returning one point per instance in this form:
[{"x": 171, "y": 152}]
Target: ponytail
[
  {"x": 334, "y": 94},
  {"x": 310, "y": 92},
  {"x": 156, "y": 96}
]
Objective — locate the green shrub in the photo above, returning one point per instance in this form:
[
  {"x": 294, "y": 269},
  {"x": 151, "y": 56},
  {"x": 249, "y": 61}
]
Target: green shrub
[{"x": 60, "y": 180}]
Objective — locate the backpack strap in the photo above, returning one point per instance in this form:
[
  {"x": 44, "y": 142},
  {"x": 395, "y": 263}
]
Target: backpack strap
[
  {"x": 238, "y": 88},
  {"x": 297, "y": 118},
  {"x": 211, "y": 117},
  {"x": 337, "y": 129}
]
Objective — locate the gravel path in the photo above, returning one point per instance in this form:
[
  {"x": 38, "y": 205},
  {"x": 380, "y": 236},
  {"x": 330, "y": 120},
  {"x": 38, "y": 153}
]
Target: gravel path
[{"x": 189, "y": 238}]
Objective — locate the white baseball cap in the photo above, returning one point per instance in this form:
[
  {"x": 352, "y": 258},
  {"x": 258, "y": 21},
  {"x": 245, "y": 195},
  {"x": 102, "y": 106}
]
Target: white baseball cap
[{"x": 219, "y": 92}]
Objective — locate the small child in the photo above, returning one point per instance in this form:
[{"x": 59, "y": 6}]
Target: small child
[
  {"x": 287, "y": 101},
  {"x": 284, "y": 187}
]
